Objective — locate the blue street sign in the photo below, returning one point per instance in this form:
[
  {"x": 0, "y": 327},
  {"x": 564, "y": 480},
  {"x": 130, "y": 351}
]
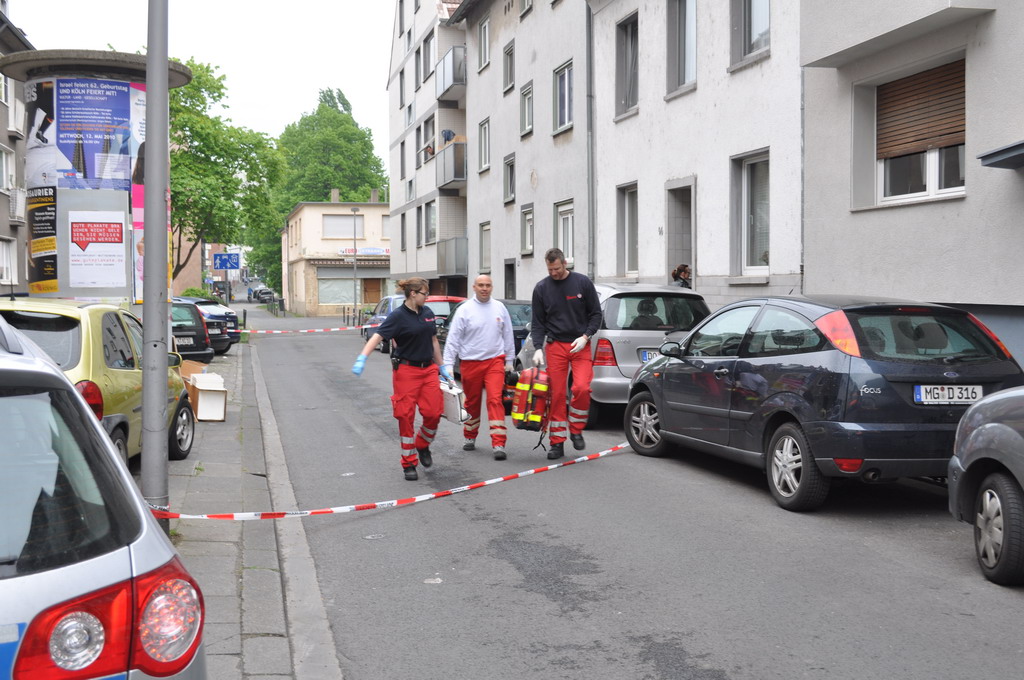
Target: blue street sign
[{"x": 225, "y": 261}]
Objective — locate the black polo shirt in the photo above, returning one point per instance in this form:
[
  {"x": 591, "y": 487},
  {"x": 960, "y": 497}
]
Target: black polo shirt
[{"x": 413, "y": 333}]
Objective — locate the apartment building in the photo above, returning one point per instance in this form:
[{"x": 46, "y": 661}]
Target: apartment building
[
  {"x": 530, "y": 174},
  {"x": 335, "y": 253},
  {"x": 13, "y": 229},
  {"x": 913, "y": 149},
  {"x": 426, "y": 89}
]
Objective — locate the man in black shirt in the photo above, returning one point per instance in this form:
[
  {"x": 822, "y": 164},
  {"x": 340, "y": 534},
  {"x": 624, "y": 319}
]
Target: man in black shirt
[{"x": 566, "y": 314}]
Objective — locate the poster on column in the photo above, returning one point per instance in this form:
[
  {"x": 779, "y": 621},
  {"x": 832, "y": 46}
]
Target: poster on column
[
  {"x": 93, "y": 134},
  {"x": 42, "y": 228},
  {"x": 137, "y": 96},
  {"x": 40, "y": 134},
  {"x": 97, "y": 249}
]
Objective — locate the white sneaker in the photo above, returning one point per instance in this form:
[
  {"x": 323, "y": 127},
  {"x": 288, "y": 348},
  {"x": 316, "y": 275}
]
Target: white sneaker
[
  {"x": 469, "y": 445},
  {"x": 499, "y": 453}
]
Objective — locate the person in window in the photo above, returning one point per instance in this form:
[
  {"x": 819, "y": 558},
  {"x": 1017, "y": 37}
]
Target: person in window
[
  {"x": 681, "y": 276},
  {"x": 647, "y": 316},
  {"x": 415, "y": 361}
]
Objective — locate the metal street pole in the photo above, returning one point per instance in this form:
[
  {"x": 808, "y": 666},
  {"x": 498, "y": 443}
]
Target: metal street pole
[
  {"x": 154, "y": 277},
  {"x": 355, "y": 269}
]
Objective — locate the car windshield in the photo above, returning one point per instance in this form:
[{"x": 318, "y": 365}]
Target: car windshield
[
  {"x": 921, "y": 335},
  {"x": 653, "y": 311},
  {"x": 61, "y": 497},
  {"x": 440, "y": 307},
  {"x": 58, "y": 335},
  {"x": 520, "y": 314}
]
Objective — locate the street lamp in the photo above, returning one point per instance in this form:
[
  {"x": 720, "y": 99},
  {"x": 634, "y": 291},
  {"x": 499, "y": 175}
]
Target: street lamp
[{"x": 355, "y": 268}]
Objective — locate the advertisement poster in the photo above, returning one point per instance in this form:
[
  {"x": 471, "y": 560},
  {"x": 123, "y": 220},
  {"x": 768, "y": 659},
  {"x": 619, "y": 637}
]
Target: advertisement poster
[
  {"x": 40, "y": 142},
  {"x": 137, "y": 96},
  {"x": 42, "y": 228},
  {"x": 93, "y": 134},
  {"x": 97, "y": 245}
]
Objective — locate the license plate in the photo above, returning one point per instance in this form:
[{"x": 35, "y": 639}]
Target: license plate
[
  {"x": 649, "y": 355},
  {"x": 947, "y": 394},
  {"x": 184, "y": 341},
  {"x": 214, "y": 331}
]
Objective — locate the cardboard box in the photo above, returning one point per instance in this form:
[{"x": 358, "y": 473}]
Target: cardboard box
[{"x": 206, "y": 391}]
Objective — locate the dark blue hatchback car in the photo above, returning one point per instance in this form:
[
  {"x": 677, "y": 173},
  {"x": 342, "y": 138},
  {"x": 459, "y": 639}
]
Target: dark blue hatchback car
[{"x": 819, "y": 387}]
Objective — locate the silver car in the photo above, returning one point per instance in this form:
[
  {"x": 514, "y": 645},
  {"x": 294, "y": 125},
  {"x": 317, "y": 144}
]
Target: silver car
[
  {"x": 985, "y": 477},
  {"x": 636, "y": 320},
  {"x": 90, "y": 587}
]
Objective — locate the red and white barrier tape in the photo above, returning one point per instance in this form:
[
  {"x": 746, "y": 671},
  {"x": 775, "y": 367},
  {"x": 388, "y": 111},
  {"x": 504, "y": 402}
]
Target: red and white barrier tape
[
  {"x": 161, "y": 513},
  {"x": 315, "y": 330}
]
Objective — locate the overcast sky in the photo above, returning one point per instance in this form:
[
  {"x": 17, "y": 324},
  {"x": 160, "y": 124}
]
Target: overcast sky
[{"x": 275, "y": 56}]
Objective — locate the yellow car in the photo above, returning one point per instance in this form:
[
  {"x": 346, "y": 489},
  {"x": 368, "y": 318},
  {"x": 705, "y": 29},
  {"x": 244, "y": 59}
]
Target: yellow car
[{"x": 99, "y": 348}]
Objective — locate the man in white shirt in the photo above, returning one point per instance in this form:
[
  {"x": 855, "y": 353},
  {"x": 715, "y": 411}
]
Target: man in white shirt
[{"x": 480, "y": 336}]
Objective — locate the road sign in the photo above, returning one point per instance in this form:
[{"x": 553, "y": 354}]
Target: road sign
[{"x": 225, "y": 261}]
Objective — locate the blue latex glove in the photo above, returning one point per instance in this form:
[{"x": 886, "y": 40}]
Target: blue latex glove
[
  {"x": 446, "y": 374},
  {"x": 357, "y": 367}
]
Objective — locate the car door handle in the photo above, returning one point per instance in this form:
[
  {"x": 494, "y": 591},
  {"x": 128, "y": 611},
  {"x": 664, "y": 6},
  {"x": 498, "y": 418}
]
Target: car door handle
[{"x": 721, "y": 372}]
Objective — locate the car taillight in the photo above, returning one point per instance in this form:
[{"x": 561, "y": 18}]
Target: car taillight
[
  {"x": 604, "y": 355},
  {"x": 836, "y": 327},
  {"x": 206, "y": 331},
  {"x": 93, "y": 396},
  {"x": 991, "y": 336},
  {"x": 150, "y": 624}
]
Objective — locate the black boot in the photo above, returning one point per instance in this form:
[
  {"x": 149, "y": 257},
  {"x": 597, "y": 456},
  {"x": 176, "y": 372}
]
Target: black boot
[
  {"x": 425, "y": 459},
  {"x": 577, "y": 442},
  {"x": 556, "y": 451},
  {"x": 410, "y": 473}
]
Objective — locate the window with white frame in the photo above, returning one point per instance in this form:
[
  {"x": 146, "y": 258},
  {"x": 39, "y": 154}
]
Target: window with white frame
[
  {"x": 410, "y": 189},
  {"x": 401, "y": 16},
  {"x": 6, "y": 168},
  {"x": 8, "y": 262},
  {"x": 563, "y": 96},
  {"x": 483, "y": 39},
  {"x": 926, "y": 159},
  {"x": 402, "y": 226},
  {"x": 751, "y": 23},
  {"x": 526, "y": 230},
  {"x": 564, "y": 236},
  {"x": 485, "y": 144},
  {"x": 509, "y": 178},
  {"x": 526, "y": 109},
  {"x": 5, "y": 89},
  {"x": 428, "y": 138},
  {"x": 410, "y": 114},
  {"x": 430, "y": 222},
  {"x": 629, "y": 234},
  {"x": 508, "y": 67},
  {"x": 428, "y": 55},
  {"x": 682, "y": 43},
  {"x": 755, "y": 224},
  {"x": 627, "y": 67},
  {"x": 525, "y": 6},
  {"x": 342, "y": 226},
  {"x": 485, "y": 247}
]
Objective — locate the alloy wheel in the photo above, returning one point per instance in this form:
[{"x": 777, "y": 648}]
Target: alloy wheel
[
  {"x": 787, "y": 466},
  {"x": 644, "y": 425},
  {"x": 988, "y": 528}
]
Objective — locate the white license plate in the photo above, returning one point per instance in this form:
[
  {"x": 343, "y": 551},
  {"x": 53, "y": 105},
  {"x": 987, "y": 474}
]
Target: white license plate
[
  {"x": 649, "y": 355},
  {"x": 214, "y": 331},
  {"x": 184, "y": 341},
  {"x": 947, "y": 394}
]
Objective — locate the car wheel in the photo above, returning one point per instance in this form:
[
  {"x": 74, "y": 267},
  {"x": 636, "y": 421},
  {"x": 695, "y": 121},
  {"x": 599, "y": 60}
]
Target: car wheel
[
  {"x": 182, "y": 433},
  {"x": 593, "y": 415},
  {"x": 120, "y": 440},
  {"x": 793, "y": 477},
  {"x": 218, "y": 352},
  {"x": 999, "y": 529},
  {"x": 643, "y": 426}
]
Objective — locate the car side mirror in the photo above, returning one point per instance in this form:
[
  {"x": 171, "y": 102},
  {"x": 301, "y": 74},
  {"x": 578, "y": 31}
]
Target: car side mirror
[
  {"x": 173, "y": 359},
  {"x": 671, "y": 349},
  {"x": 438, "y": 321}
]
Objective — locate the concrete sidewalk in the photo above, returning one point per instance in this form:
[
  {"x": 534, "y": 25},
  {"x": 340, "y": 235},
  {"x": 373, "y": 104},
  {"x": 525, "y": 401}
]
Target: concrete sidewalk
[{"x": 264, "y": 614}]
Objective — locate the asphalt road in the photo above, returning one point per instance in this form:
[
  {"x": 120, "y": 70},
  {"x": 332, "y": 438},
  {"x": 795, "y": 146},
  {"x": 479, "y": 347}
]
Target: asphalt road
[{"x": 623, "y": 567}]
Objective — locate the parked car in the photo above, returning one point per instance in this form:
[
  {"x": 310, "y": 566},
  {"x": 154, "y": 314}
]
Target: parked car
[
  {"x": 263, "y": 295},
  {"x": 191, "y": 334},
  {"x": 99, "y": 348},
  {"x": 91, "y": 586},
  {"x": 821, "y": 387},
  {"x": 636, "y": 320},
  {"x": 211, "y": 309},
  {"x": 441, "y": 305},
  {"x": 986, "y": 474}
]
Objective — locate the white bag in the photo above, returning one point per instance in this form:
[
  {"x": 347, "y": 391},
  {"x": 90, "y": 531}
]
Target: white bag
[{"x": 454, "y": 410}]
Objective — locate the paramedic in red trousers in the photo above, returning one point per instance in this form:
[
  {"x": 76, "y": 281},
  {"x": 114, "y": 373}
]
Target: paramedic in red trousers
[
  {"x": 416, "y": 360},
  {"x": 481, "y": 337},
  {"x": 566, "y": 314}
]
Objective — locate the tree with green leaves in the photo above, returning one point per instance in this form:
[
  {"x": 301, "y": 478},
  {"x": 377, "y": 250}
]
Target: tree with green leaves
[{"x": 221, "y": 175}]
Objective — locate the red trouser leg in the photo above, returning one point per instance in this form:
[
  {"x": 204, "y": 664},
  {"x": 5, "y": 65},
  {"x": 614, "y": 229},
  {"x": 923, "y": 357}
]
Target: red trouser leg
[
  {"x": 557, "y": 355},
  {"x": 472, "y": 385},
  {"x": 431, "y": 405},
  {"x": 582, "y": 375},
  {"x": 403, "y": 404},
  {"x": 485, "y": 375}
]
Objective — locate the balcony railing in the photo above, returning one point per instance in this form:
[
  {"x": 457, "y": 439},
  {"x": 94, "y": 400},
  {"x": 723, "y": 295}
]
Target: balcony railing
[
  {"x": 450, "y": 166},
  {"x": 453, "y": 256},
  {"x": 17, "y": 205},
  {"x": 450, "y": 75}
]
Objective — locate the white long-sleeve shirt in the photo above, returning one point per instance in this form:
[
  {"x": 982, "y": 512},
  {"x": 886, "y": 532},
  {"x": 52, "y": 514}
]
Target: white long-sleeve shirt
[{"x": 480, "y": 330}]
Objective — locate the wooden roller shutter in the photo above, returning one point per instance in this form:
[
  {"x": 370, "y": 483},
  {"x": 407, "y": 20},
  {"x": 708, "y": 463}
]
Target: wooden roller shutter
[{"x": 923, "y": 111}]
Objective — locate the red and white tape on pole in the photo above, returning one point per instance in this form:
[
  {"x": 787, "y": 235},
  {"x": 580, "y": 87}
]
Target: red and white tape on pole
[
  {"x": 161, "y": 513},
  {"x": 314, "y": 330}
]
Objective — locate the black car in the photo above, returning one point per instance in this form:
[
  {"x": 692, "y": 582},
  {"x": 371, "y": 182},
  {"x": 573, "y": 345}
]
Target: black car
[
  {"x": 192, "y": 338},
  {"x": 520, "y": 311},
  {"x": 815, "y": 388}
]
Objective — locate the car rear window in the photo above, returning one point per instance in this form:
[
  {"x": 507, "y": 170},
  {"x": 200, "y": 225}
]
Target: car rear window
[
  {"x": 58, "y": 335},
  {"x": 653, "y": 312},
  {"x": 61, "y": 497},
  {"x": 184, "y": 315},
  {"x": 440, "y": 307},
  {"x": 921, "y": 335}
]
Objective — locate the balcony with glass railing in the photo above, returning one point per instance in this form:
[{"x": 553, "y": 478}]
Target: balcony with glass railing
[
  {"x": 450, "y": 166},
  {"x": 450, "y": 75}
]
